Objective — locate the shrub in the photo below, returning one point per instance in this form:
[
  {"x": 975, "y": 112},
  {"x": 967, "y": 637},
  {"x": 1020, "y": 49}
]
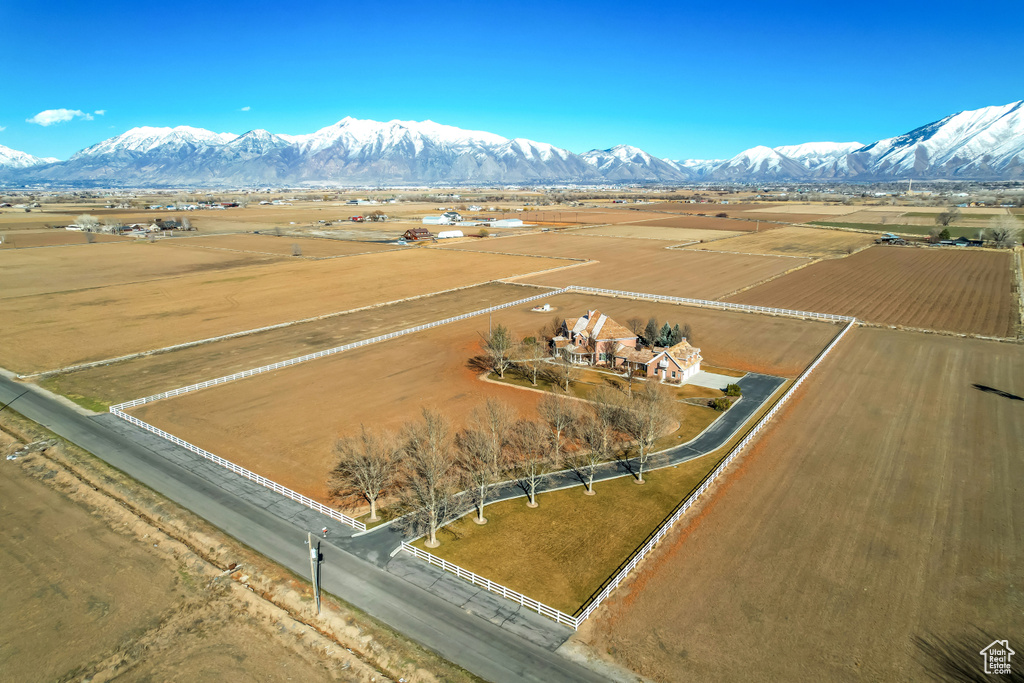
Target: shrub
[
  {"x": 723, "y": 214},
  {"x": 733, "y": 390},
  {"x": 720, "y": 404}
]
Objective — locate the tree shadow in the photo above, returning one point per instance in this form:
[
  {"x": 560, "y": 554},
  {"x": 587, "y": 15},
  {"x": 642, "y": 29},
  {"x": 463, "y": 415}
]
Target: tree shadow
[
  {"x": 479, "y": 364},
  {"x": 960, "y": 660},
  {"x": 997, "y": 392}
]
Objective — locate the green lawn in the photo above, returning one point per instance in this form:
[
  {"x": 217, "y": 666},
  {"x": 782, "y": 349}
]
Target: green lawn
[{"x": 563, "y": 551}]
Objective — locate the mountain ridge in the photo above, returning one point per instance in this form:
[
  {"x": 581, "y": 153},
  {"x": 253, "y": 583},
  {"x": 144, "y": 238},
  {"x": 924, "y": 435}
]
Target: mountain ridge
[{"x": 981, "y": 144}]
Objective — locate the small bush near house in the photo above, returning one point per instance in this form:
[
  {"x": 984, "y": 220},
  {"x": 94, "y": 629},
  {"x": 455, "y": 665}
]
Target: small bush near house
[
  {"x": 733, "y": 390},
  {"x": 720, "y": 404}
]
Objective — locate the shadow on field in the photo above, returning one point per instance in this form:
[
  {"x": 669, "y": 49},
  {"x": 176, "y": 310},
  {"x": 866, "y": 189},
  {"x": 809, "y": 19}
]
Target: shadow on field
[
  {"x": 961, "y": 660},
  {"x": 997, "y": 392}
]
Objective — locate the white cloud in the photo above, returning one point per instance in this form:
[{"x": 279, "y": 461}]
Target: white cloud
[
  {"x": 246, "y": 108},
  {"x": 3, "y": 128},
  {"x": 52, "y": 116},
  {"x": 100, "y": 112}
]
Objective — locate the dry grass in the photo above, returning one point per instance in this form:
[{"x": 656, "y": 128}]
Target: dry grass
[
  {"x": 106, "y": 322},
  {"x": 791, "y": 241},
  {"x": 640, "y": 265},
  {"x": 564, "y": 550},
  {"x": 656, "y": 232},
  {"x": 279, "y": 246}
]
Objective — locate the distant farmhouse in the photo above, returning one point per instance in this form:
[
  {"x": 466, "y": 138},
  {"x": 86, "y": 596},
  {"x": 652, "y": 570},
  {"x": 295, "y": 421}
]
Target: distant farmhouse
[{"x": 595, "y": 339}]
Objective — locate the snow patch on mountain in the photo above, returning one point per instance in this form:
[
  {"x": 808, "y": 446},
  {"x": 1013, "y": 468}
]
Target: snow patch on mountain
[{"x": 12, "y": 158}]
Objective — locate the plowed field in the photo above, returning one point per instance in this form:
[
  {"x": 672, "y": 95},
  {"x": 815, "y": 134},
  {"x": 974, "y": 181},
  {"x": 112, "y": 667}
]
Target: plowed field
[
  {"x": 880, "y": 507},
  {"x": 939, "y": 289},
  {"x": 283, "y": 424}
]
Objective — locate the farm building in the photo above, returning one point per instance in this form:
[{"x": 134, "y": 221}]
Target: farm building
[
  {"x": 507, "y": 223},
  {"x": 417, "y": 234},
  {"x": 447, "y": 234},
  {"x": 596, "y": 339},
  {"x": 437, "y": 220}
]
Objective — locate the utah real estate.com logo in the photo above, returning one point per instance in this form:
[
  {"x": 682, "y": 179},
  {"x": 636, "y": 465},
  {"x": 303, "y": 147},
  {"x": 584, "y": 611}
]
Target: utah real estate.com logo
[{"x": 997, "y": 657}]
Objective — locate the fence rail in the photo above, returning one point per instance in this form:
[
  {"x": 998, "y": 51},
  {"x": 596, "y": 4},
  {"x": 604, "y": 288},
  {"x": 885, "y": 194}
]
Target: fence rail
[
  {"x": 251, "y": 476},
  {"x": 665, "y": 527},
  {"x": 327, "y": 352},
  {"x": 493, "y": 587},
  {"x": 708, "y": 302}
]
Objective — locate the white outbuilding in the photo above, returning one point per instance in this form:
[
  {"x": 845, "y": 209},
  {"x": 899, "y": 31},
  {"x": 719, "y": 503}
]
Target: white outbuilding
[
  {"x": 436, "y": 220},
  {"x": 507, "y": 223},
  {"x": 446, "y": 234}
]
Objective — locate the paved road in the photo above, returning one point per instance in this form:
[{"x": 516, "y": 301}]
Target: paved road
[{"x": 476, "y": 643}]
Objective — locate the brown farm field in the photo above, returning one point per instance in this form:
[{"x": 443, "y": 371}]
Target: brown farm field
[
  {"x": 102, "y": 386},
  {"x": 122, "y": 319},
  {"x": 640, "y": 265},
  {"x": 940, "y": 289},
  {"x": 709, "y": 222},
  {"x": 27, "y": 239},
  {"x": 655, "y": 232},
  {"x": 279, "y": 246},
  {"x": 283, "y": 424},
  {"x": 64, "y": 269},
  {"x": 856, "y": 526},
  {"x": 792, "y": 241}
]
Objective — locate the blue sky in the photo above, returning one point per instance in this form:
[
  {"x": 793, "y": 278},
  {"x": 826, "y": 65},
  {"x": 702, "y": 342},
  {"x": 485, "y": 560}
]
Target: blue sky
[{"x": 678, "y": 79}]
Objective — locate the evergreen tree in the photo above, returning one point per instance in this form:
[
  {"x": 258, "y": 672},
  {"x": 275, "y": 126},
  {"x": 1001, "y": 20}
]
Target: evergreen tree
[
  {"x": 677, "y": 336},
  {"x": 665, "y": 335},
  {"x": 651, "y": 332}
]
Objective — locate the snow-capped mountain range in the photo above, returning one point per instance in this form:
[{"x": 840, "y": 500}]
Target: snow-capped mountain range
[{"x": 985, "y": 143}]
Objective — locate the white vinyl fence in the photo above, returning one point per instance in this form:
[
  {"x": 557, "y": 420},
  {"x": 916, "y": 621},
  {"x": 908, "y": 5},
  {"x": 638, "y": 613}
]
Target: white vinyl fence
[
  {"x": 251, "y": 476},
  {"x": 327, "y": 352},
  {"x": 710, "y": 303},
  {"x": 667, "y": 525}
]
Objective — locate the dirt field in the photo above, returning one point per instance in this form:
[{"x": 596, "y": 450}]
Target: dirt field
[
  {"x": 111, "y": 321},
  {"x": 941, "y": 289},
  {"x": 110, "y": 581},
  {"x": 283, "y": 424},
  {"x": 655, "y": 232},
  {"x": 26, "y": 239},
  {"x": 708, "y": 222},
  {"x": 788, "y": 241},
  {"x": 100, "y": 387},
  {"x": 857, "y": 525},
  {"x": 640, "y": 265},
  {"x": 279, "y": 246},
  {"x": 64, "y": 269}
]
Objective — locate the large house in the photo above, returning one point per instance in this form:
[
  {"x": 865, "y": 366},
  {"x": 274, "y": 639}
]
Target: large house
[{"x": 596, "y": 339}]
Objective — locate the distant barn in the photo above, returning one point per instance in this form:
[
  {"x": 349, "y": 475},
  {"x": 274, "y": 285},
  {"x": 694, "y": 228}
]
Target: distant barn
[{"x": 417, "y": 234}]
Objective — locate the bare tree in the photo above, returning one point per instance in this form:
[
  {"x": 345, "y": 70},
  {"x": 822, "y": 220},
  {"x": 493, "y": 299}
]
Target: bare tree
[
  {"x": 495, "y": 419},
  {"x": 367, "y": 467},
  {"x": 498, "y": 346},
  {"x": 531, "y": 458},
  {"x": 296, "y": 249},
  {"x": 597, "y": 439},
  {"x": 88, "y": 222},
  {"x": 631, "y": 372},
  {"x": 644, "y": 418},
  {"x": 479, "y": 470},
  {"x": 565, "y": 373},
  {"x": 948, "y": 216},
  {"x": 552, "y": 328},
  {"x": 1004, "y": 231},
  {"x": 636, "y": 326},
  {"x": 430, "y": 477},
  {"x": 561, "y": 414},
  {"x": 530, "y": 359}
]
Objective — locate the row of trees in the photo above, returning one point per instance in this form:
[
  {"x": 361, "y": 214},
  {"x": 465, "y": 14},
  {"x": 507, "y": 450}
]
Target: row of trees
[{"x": 433, "y": 472}]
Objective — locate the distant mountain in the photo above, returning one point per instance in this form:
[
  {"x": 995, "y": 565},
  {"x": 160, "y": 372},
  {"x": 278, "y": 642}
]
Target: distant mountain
[
  {"x": 13, "y": 159},
  {"x": 982, "y": 144}
]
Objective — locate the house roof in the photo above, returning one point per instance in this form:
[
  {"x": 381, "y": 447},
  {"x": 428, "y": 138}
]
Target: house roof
[{"x": 597, "y": 326}]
